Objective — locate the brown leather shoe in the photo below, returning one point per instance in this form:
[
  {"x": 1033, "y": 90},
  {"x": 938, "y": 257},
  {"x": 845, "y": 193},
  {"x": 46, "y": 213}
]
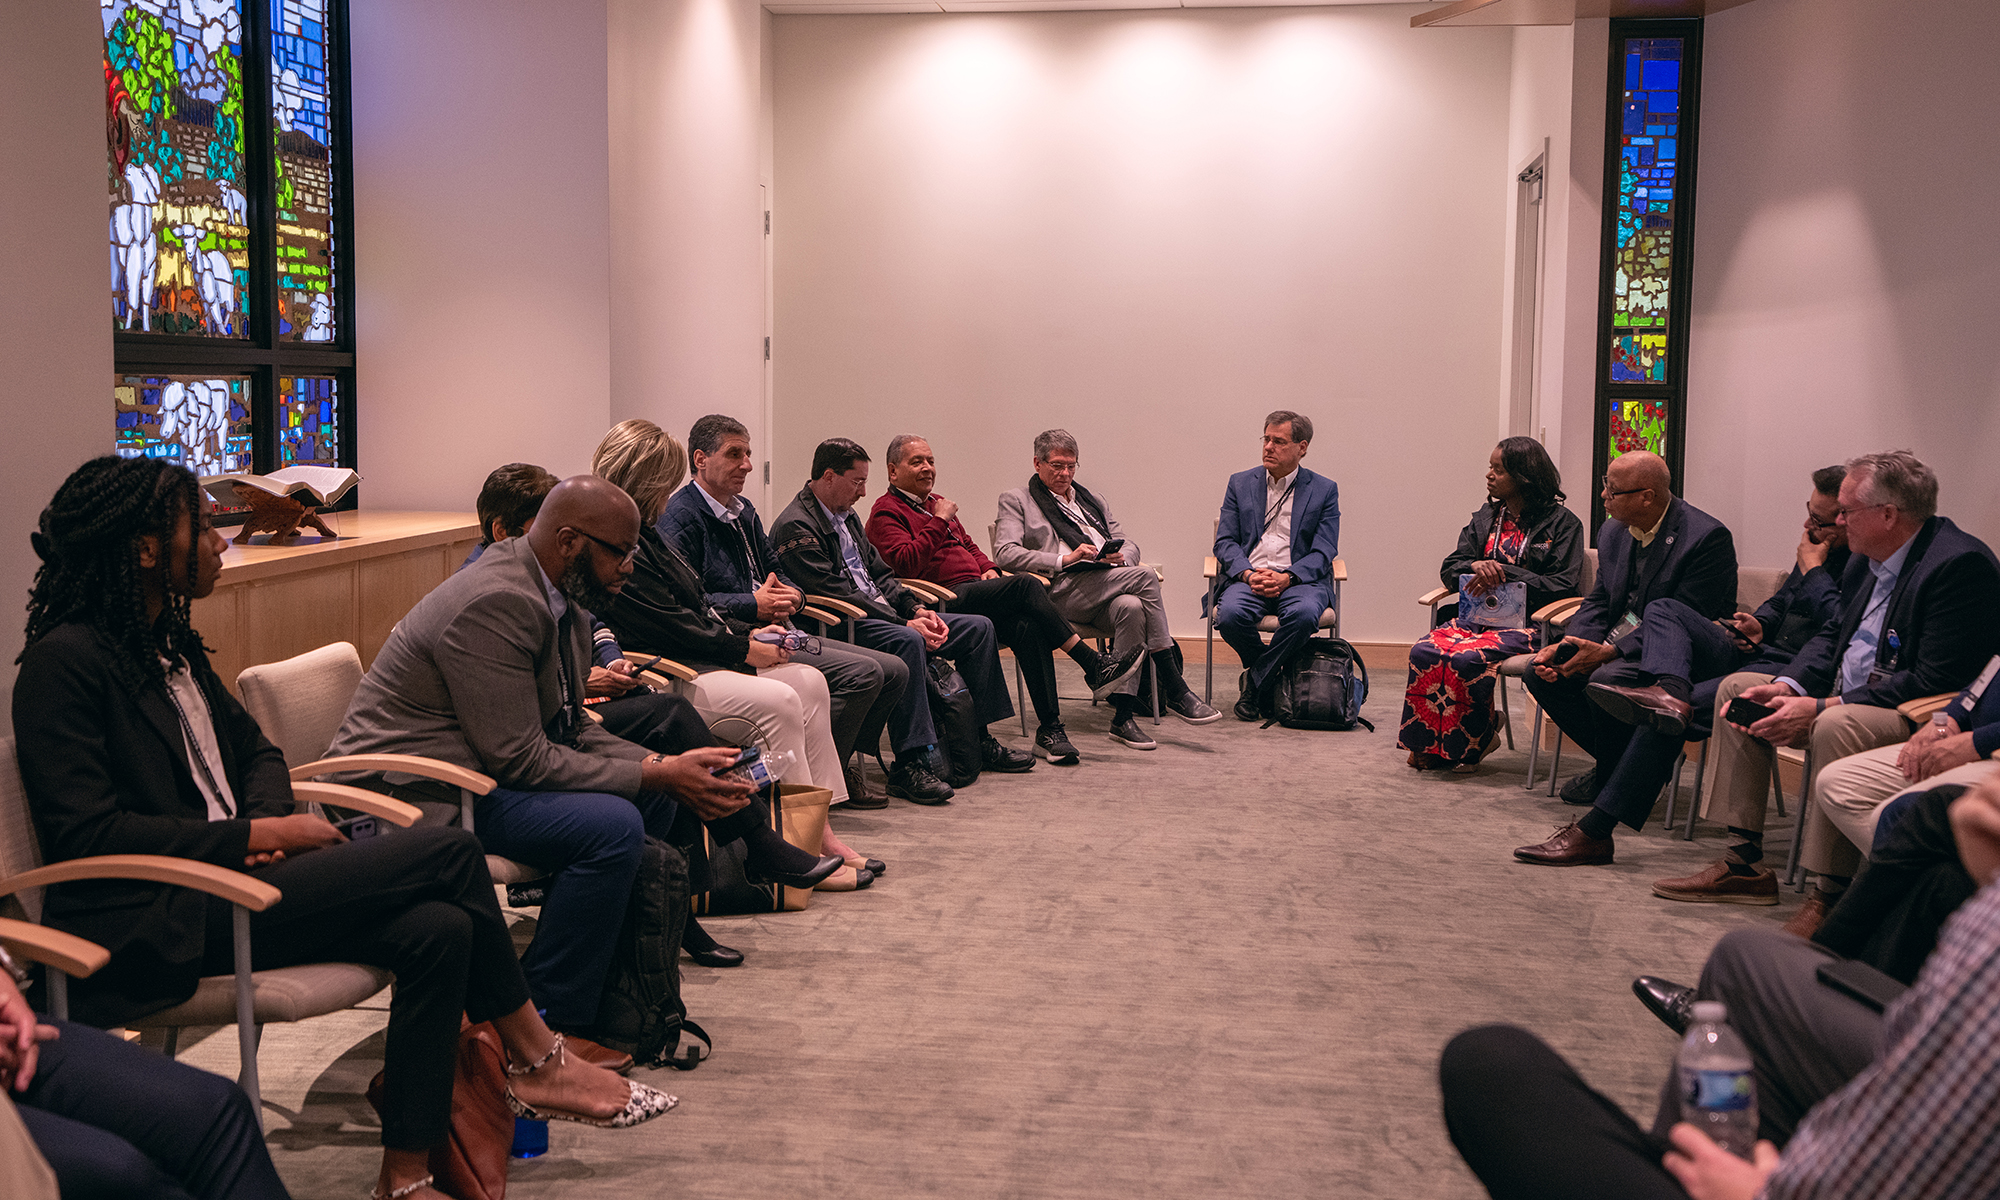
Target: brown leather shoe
[
  {"x": 596, "y": 1055},
  {"x": 1570, "y": 847},
  {"x": 1811, "y": 915},
  {"x": 1714, "y": 884},
  {"x": 1651, "y": 705},
  {"x": 858, "y": 795}
]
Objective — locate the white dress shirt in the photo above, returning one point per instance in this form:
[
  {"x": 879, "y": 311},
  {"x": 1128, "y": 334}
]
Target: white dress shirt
[
  {"x": 1274, "y": 549},
  {"x": 204, "y": 754},
  {"x": 1082, "y": 518}
]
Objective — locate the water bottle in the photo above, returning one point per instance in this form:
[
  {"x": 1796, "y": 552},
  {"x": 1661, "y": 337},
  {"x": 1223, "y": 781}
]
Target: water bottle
[
  {"x": 531, "y": 1138},
  {"x": 1718, "y": 1095},
  {"x": 762, "y": 770},
  {"x": 1939, "y": 728}
]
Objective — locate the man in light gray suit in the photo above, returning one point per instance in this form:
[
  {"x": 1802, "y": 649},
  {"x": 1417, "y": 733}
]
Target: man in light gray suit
[
  {"x": 487, "y": 672},
  {"x": 1058, "y": 528}
]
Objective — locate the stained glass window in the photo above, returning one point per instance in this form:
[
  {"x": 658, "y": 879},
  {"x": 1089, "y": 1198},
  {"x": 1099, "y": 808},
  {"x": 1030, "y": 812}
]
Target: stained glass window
[
  {"x": 308, "y": 421},
  {"x": 227, "y": 175},
  {"x": 300, "y": 126},
  {"x": 199, "y": 421},
  {"x": 1639, "y": 425},
  {"x": 173, "y": 82},
  {"x": 1648, "y": 162}
]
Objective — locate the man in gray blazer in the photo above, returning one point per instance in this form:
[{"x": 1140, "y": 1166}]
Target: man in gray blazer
[
  {"x": 1058, "y": 528},
  {"x": 487, "y": 672}
]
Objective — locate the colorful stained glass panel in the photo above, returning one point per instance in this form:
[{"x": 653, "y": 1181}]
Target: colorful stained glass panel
[
  {"x": 1643, "y": 254},
  {"x": 301, "y": 108},
  {"x": 308, "y": 421},
  {"x": 173, "y": 93},
  {"x": 201, "y": 422},
  {"x": 1638, "y": 425}
]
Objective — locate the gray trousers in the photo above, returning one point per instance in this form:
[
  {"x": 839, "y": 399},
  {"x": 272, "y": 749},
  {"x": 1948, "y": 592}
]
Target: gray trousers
[
  {"x": 863, "y": 687},
  {"x": 1806, "y": 1040},
  {"x": 1126, "y": 600}
]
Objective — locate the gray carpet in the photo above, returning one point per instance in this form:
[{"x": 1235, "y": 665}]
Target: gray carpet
[{"x": 1221, "y": 968}]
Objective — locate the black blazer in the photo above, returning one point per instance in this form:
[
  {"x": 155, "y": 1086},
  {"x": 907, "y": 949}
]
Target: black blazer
[
  {"x": 662, "y": 611},
  {"x": 1693, "y": 560},
  {"x": 809, "y": 550},
  {"x": 1551, "y": 565},
  {"x": 1945, "y": 613},
  {"x": 107, "y": 772}
]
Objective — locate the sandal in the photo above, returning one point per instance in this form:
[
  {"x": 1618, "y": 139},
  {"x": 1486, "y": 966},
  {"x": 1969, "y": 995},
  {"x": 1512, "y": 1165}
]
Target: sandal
[{"x": 642, "y": 1103}]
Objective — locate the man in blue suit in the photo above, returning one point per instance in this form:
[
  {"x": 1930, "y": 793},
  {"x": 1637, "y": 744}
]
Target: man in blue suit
[{"x": 1274, "y": 553}]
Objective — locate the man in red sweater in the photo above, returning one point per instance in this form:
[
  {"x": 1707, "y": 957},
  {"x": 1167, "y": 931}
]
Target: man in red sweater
[{"x": 918, "y": 533}]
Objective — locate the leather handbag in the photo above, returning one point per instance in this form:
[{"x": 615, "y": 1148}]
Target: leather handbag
[
  {"x": 798, "y": 814},
  {"x": 471, "y": 1164}
]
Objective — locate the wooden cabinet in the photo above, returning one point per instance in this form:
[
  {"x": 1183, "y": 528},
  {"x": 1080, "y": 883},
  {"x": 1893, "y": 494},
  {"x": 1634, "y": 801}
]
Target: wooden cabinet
[{"x": 277, "y": 601}]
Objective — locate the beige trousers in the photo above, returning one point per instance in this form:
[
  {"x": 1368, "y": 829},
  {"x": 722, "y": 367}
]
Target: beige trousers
[
  {"x": 24, "y": 1173},
  {"x": 1848, "y": 798},
  {"x": 789, "y": 706},
  {"x": 1740, "y": 772}
]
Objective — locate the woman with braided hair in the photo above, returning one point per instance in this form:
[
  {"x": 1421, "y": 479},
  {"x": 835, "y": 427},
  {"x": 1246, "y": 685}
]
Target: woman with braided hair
[{"x": 129, "y": 744}]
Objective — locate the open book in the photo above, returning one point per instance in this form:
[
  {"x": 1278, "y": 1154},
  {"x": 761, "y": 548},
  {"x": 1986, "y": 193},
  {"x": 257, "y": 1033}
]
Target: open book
[{"x": 307, "y": 485}]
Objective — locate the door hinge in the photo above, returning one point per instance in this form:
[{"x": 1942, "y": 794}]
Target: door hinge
[
  {"x": 767, "y": 472},
  {"x": 767, "y": 349},
  {"x": 767, "y": 222}
]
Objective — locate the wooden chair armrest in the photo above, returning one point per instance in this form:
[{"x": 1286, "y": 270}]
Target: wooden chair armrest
[
  {"x": 1156, "y": 569},
  {"x": 1557, "y": 612},
  {"x": 841, "y": 607},
  {"x": 406, "y": 764},
  {"x": 935, "y": 593},
  {"x": 1919, "y": 710},
  {"x": 375, "y": 804},
  {"x": 1209, "y": 567},
  {"x": 1030, "y": 574},
  {"x": 1434, "y": 597},
  {"x": 1340, "y": 569},
  {"x": 666, "y": 668},
  {"x": 821, "y": 615},
  {"x": 66, "y": 952},
  {"x": 233, "y": 886}
]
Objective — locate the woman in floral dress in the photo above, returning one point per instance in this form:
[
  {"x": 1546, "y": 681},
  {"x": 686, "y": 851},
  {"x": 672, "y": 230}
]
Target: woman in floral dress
[{"x": 1523, "y": 534}]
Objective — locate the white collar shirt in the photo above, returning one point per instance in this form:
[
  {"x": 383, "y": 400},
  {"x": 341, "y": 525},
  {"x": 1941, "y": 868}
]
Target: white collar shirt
[
  {"x": 198, "y": 736},
  {"x": 1077, "y": 513},
  {"x": 1273, "y": 551},
  {"x": 726, "y": 511}
]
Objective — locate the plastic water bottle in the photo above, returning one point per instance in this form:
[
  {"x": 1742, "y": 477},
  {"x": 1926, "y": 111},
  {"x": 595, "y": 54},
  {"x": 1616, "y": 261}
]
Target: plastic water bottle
[
  {"x": 763, "y": 770},
  {"x": 1718, "y": 1095},
  {"x": 1938, "y": 726},
  {"x": 531, "y": 1138}
]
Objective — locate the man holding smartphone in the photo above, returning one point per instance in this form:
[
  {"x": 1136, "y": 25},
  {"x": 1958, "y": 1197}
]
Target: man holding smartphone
[{"x": 1056, "y": 528}]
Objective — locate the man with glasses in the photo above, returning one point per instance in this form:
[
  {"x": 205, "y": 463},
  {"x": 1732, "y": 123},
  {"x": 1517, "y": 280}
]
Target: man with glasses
[
  {"x": 1920, "y": 596},
  {"x": 919, "y": 534},
  {"x": 1652, "y": 546},
  {"x": 1685, "y": 655},
  {"x": 1059, "y": 529}
]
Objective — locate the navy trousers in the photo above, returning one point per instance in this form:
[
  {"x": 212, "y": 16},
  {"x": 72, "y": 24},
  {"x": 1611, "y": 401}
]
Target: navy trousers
[
  {"x": 972, "y": 647},
  {"x": 1298, "y": 610},
  {"x": 118, "y": 1122}
]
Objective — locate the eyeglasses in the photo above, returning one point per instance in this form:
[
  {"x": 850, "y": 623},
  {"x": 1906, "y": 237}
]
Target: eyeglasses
[
  {"x": 1608, "y": 493},
  {"x": 1848, "y": 512},
  {"x": 1813, "y": 520},
  {"x": 1062, "y": 468},
  {"x": 624, "y": 555}
]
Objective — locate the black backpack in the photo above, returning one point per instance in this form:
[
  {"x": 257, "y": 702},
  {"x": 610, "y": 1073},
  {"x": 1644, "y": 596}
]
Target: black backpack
[
  {"x": 640, "y": 1011},
  {"x": 957, "y": 721},
  {"x": 1322, "y": 687}
]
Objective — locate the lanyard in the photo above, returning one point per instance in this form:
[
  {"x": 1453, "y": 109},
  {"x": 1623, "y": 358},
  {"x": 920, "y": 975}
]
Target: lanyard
[
  {"x": 1278, "y": 507},
  {"x": 198, "y": 754}
]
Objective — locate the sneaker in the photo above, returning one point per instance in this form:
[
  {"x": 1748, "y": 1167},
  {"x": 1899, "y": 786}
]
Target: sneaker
[
  {"x": 1114, "y": 672},
  {"x": 1126, "y": 729},
  {"x": 995, "y": 757},
  {"x": 1715, "y": 884},
  {"x": 1193, "y": 709},
  {"x": 913, "y": 780},
  {"x": 1052, "y": 742},
  {"x": 1582, "y": 790}
]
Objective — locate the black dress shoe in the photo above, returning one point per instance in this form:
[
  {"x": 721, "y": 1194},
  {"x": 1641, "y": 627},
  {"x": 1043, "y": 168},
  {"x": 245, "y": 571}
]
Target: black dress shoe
[
  {"x": 915, "y": 782},
  {"x": 995, "y": 757},
  {"x": 760, "y": 874},
  {"x": 1667, "y": 1000},
  {"x": 717, "y": 956},
  {"x": 1582, "y": 791}
]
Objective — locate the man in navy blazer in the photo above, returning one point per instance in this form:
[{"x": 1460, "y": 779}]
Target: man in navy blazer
[
  {"x": 1653, "y": 545},
  {"x": 1274, "y": 552},
  {"x": 1920, "y": 595}
]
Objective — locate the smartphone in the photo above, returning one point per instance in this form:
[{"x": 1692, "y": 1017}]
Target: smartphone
[
  {"x": 644, "y": 666},
  {"x": 359, "y": 827},
  {"x": 1111, "y": 547},
  {"x": 1564, "y": 653},
  {"x": 1861, "y": 981},
  {"x": 1747, "y": 712},
  {"x": 746, "y": 755}
]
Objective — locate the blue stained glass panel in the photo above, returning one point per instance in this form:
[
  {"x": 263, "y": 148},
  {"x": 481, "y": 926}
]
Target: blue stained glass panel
[
  {"x": 1660, "y": 74},
  {"x": 308, "y": 421},
  {"x": 1643, "y": 253},
  {"x": 201, "y": 422},
  {"x": 301, "y": 108}
]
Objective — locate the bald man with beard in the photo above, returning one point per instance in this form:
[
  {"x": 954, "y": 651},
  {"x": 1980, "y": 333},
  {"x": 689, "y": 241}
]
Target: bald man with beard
[{"x": 1653, "y": 545}]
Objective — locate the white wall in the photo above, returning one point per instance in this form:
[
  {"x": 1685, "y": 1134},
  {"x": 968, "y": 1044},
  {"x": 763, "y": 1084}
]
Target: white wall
[
  {"x": 687, "y": 276},
  {"x": 482, "y": 242},
  {"x": 55, "y": 305},
  {"x": 1845, "y": 266},
  {"x": 1152, "y": 228}
]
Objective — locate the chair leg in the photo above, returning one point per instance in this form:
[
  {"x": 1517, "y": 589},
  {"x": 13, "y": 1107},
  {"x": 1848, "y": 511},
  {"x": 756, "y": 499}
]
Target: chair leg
[
  {"x": 1020, "y": 696},
  {"x": 1153, "y": 673},
  {"x": 246, "y": 1025},
  {"x": 1556, "y": 764},
  {"x": 1674, "y": 790},
  {"x": 173, "y": 1042},
  {"x": 1795, "y": 869},
  {"x": 58, "y": 994},
  {"x": 1506, "y": 714},
  {"x": 1208, "y": 661},
  {"x": 1694, "y": 802},
  {"x": 1534, "y": 748}
]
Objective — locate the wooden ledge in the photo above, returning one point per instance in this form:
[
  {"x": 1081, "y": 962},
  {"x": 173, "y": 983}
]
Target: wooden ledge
[{"x": 363, "y": 534}]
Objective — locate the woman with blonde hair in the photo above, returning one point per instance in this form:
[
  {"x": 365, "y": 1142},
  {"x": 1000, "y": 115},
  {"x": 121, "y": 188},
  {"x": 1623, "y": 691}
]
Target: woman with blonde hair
[{"x": 661, "y": 611}]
